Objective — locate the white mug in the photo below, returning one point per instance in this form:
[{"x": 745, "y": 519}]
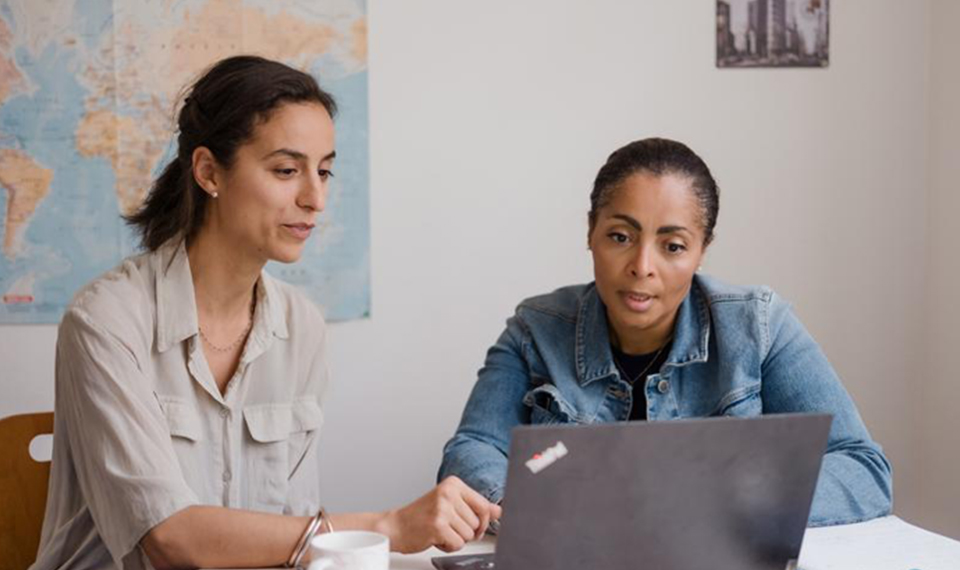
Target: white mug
[{"x": 350, "y": 550}]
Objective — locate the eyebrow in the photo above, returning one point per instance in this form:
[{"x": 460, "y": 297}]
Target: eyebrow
[
  {"x": 296, "y": 154},
  {"x": 635, "y": 224}
]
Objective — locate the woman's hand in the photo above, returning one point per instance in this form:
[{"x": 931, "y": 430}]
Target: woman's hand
[{"x": 447, "y": 517}]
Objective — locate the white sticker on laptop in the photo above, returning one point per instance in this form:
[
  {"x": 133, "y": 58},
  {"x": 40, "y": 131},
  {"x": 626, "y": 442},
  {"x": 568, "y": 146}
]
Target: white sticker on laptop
[{"x": 546, "y": 458}]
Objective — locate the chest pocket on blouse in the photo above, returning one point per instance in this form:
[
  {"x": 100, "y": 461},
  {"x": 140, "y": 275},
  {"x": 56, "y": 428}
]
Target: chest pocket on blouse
[
  {"x": 183, "y": 421},
  {"x": 186, "y": 436},
  {"x": 280, "y": 438},
  {"x": 548, "y": 406}
]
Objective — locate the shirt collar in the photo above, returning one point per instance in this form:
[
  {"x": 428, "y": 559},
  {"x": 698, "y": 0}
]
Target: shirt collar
[
  {"x": 177, "y": 306},
  {"x": 274, "y": 311},
  {"x": 691, "y": 335},
  {"x": 269, "y": 318}
]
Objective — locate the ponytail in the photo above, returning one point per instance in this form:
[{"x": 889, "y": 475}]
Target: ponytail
[{"x": 174, "y": 208}]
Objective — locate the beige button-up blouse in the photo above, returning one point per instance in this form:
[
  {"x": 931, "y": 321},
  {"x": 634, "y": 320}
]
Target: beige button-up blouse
[{"x": 141, "y": 430}]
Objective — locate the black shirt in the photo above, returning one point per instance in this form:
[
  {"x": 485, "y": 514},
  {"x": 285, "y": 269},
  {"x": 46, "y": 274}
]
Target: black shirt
[{"x": 634, "y": 368}]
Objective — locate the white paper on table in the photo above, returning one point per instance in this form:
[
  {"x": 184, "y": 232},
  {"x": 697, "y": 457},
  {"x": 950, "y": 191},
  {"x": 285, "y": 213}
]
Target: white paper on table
[{"x": 882, "y": 544}]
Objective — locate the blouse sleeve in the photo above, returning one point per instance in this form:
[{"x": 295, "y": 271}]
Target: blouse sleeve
[{"x": 121, "y": 452}]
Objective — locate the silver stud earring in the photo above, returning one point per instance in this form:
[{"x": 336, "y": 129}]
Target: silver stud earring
[{"x": 215, "y": 195}]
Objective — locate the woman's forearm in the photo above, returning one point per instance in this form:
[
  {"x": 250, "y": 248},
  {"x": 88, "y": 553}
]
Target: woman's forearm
[
  {"x": 217, "y": 537},
  {"x": 448, "y": 516}
]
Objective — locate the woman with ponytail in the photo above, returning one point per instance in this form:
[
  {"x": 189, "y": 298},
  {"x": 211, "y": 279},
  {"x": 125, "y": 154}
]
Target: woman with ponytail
[{"x": 190, "y": 383}]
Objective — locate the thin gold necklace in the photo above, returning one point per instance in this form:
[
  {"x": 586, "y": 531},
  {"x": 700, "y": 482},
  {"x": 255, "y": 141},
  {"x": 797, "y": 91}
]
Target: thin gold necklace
[
  {"x": 623, "y": 373},
  {"x": 241, "y": 338}
]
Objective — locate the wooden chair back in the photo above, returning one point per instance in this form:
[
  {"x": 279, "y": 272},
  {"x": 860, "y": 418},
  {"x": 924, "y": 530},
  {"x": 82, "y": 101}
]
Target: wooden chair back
[{"x": 23, "y": 489}]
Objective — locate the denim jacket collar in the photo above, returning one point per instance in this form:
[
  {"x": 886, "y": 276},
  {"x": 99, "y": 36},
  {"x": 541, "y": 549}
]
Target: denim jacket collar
[
  {"x": 691, "y": 332},
  {"x": 691, "y": 335},
  {"x": 594, "y": 359}
]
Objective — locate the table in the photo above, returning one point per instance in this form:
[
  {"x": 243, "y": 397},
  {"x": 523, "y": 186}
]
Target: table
[
  {"x": 880, "y": 544},
  {"x": 887, "y": 543}
]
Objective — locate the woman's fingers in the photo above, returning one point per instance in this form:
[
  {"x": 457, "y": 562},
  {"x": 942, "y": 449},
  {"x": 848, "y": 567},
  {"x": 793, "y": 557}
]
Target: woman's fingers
[
  {"x": 466, "y": 512},
  {"x": 461, "y": 527},
  {"x": 452, "y": 515},
  {"x": 486, "y": 510},
  {"x": 484, "y": 523},
  {"x": 450, "y": 541}
]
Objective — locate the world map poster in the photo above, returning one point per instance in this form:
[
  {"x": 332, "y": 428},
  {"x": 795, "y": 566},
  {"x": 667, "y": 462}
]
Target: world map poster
[{"x": 88, "y": 98}]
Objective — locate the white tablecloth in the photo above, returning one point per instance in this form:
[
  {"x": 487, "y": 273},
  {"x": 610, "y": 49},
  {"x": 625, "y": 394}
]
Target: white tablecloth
[{"x": 882, "y": 544}]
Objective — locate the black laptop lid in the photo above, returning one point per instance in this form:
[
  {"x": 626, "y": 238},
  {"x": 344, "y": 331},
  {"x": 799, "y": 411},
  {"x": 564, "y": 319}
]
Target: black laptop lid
[{"x": 686, "y": 494}]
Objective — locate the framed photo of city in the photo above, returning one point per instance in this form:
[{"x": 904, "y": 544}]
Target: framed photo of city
[{"x": 773, "y": 33}]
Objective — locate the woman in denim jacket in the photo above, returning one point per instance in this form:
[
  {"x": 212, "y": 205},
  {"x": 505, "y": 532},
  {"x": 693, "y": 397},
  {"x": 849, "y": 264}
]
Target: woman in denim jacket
[{"x": 651, "y": 339}]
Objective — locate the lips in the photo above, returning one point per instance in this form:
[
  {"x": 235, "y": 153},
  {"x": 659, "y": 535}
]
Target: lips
[
  {"x": 299, "y": 231},
  {"x": 637, "y": 301}
]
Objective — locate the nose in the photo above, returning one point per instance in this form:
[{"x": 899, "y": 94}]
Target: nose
[
  {"x": 641, "y": 262},
  {"x": 313, "y": 194}
]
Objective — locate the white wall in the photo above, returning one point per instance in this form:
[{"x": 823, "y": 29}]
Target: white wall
[
  {"x": 489, "y": 121},
  {"x": 939, "y": 421}
]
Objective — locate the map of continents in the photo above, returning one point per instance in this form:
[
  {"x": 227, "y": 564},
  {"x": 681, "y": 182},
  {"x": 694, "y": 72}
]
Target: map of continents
[{"x": 88, "y": 94}]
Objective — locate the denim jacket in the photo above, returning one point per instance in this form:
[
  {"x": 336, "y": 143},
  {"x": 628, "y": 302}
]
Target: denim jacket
[{"x": 737, "y": 351}]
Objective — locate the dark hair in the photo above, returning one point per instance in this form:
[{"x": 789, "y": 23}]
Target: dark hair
[
  {"x": 658, "y": 157},
  {"x": 220, "y": 113}
]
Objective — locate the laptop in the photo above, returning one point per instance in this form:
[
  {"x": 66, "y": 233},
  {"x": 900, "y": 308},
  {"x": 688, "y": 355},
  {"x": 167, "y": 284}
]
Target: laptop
[{"x": 679, "y": 495}]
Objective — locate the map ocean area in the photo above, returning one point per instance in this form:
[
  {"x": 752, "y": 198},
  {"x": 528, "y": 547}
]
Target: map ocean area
[{"x": 88, "y": 92}]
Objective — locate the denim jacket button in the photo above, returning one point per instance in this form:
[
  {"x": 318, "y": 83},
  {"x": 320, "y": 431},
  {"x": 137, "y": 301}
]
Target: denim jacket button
[{"x": 663, "y": 386}]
